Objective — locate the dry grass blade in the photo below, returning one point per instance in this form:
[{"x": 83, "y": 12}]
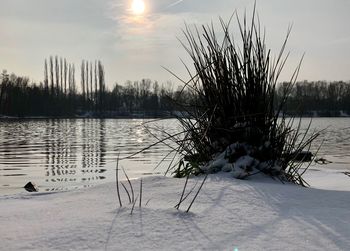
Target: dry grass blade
[
  {"x": 183, "y": 192},
  {"x": 152, "y": 145},
  {"x": 148, "y": 202},
  {"x": 186, "y": 196},
  {"x": 132, "y": 189},
  {"x": 133, "y": 205},
  {"x": 127, "y": 192},
  {"x": 199, "y": 189},
  {"x": 140, "y": 193},
  {"x": 117, "y": 182}
]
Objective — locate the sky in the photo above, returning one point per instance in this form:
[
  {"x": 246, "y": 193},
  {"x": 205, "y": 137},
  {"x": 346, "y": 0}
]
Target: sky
[{"x": 133, "y": 46}]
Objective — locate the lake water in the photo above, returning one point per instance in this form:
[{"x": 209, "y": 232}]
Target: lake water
[{"x": 72, "y": 153}]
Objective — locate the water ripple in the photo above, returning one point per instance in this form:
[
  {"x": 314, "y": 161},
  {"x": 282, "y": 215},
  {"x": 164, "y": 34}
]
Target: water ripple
[{"x": 71, "y": 152}]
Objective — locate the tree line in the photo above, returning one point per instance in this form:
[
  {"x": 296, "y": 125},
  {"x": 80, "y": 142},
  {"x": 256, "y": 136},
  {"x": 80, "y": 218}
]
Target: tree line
[
  {"x": 59, "y": 95},
  {"x": 317, "y": 98}
]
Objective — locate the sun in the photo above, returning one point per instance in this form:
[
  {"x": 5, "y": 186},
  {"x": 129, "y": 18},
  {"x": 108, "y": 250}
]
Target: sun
[{"x": 138, "y": 7}]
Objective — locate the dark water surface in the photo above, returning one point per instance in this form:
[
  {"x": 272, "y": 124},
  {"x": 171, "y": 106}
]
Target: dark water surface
[
  {"x": 334, "y": 139},
  {"x": 65, "y": 154},
  {"x": 73, "y": 153}
]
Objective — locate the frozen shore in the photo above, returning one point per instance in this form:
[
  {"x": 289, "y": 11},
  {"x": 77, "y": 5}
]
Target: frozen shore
[{"x": 229, "y": 214}]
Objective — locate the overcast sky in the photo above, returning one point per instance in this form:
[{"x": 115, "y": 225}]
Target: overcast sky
[{"x": 133, "y": 47}]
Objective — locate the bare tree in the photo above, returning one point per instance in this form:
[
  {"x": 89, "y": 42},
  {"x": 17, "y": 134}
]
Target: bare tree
[
  {"x": 83, "y": 81},
  {"x": 57, "y": 75},
  {"x": 96, "y": 95},
  {"x": 65, "y": 77},
  {"x": 87, "y": 84},
  {"x": 51, "y": 75},
  {"x": 101, "y": 81},
  {"x": 61, "y": 75},
  {"x": 46, "y": 77},
  {"x": 91, "y": 91}
]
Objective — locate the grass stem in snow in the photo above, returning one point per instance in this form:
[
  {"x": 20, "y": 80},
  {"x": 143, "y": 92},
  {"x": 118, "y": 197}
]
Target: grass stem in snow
[
  {"x": 117, "y": 182},
  {"x": 133, "y": 205},
  {"x": 140, "y": 192},
  {"x": 199, "y": 189},
  {"x": 132, "y": 189},
  {"x": 127, "y": 192}
]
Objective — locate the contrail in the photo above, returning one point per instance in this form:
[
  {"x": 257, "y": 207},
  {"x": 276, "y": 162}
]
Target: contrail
[{"x": 175, "y": 3}]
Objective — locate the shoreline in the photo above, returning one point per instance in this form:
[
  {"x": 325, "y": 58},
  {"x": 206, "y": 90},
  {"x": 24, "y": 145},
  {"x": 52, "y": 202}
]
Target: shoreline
[
  {"x": 2, "y": 118},
  {"x": 167, "y": 115},
  {"x": 119, "y": 117}
]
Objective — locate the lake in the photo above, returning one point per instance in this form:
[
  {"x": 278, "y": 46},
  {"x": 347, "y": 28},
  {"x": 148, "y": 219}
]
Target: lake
[{"x": 64, "y": 154}]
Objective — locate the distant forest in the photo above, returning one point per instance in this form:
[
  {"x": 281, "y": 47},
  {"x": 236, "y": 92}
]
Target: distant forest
[
  {"x": 321, "y": 98},
  {"x": 58, "y": 95}
]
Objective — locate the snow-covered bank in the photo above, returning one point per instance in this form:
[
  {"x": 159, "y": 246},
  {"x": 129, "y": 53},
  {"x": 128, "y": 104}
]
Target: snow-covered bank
[{"x": 259, "y": 214}]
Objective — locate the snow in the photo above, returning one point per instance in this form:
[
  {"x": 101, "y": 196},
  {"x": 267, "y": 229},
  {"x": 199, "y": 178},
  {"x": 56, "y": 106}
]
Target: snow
[
  {"x": 243, "y": 166},
  {"x": 229, "y": 214}
]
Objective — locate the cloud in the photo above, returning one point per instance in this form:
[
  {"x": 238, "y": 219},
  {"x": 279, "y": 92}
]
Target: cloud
[
  {"x": 175, "y": 3},
  {"x": 88, "y": 13}
]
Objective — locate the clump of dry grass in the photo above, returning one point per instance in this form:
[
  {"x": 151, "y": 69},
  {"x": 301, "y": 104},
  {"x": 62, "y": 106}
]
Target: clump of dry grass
[{"x": 234, "y": 85}]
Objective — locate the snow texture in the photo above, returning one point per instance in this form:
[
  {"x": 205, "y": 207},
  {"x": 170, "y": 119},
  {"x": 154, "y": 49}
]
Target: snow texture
[
  {"x": 229, "y": 214},
  {"x": 241, "y": 168}
]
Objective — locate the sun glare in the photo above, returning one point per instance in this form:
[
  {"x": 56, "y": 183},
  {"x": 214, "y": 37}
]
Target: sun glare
[{"x": 138, "y": 7}]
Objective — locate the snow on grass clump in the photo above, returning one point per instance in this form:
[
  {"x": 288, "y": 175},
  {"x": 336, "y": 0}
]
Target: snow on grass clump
[{"x": 236, "y": 159}]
